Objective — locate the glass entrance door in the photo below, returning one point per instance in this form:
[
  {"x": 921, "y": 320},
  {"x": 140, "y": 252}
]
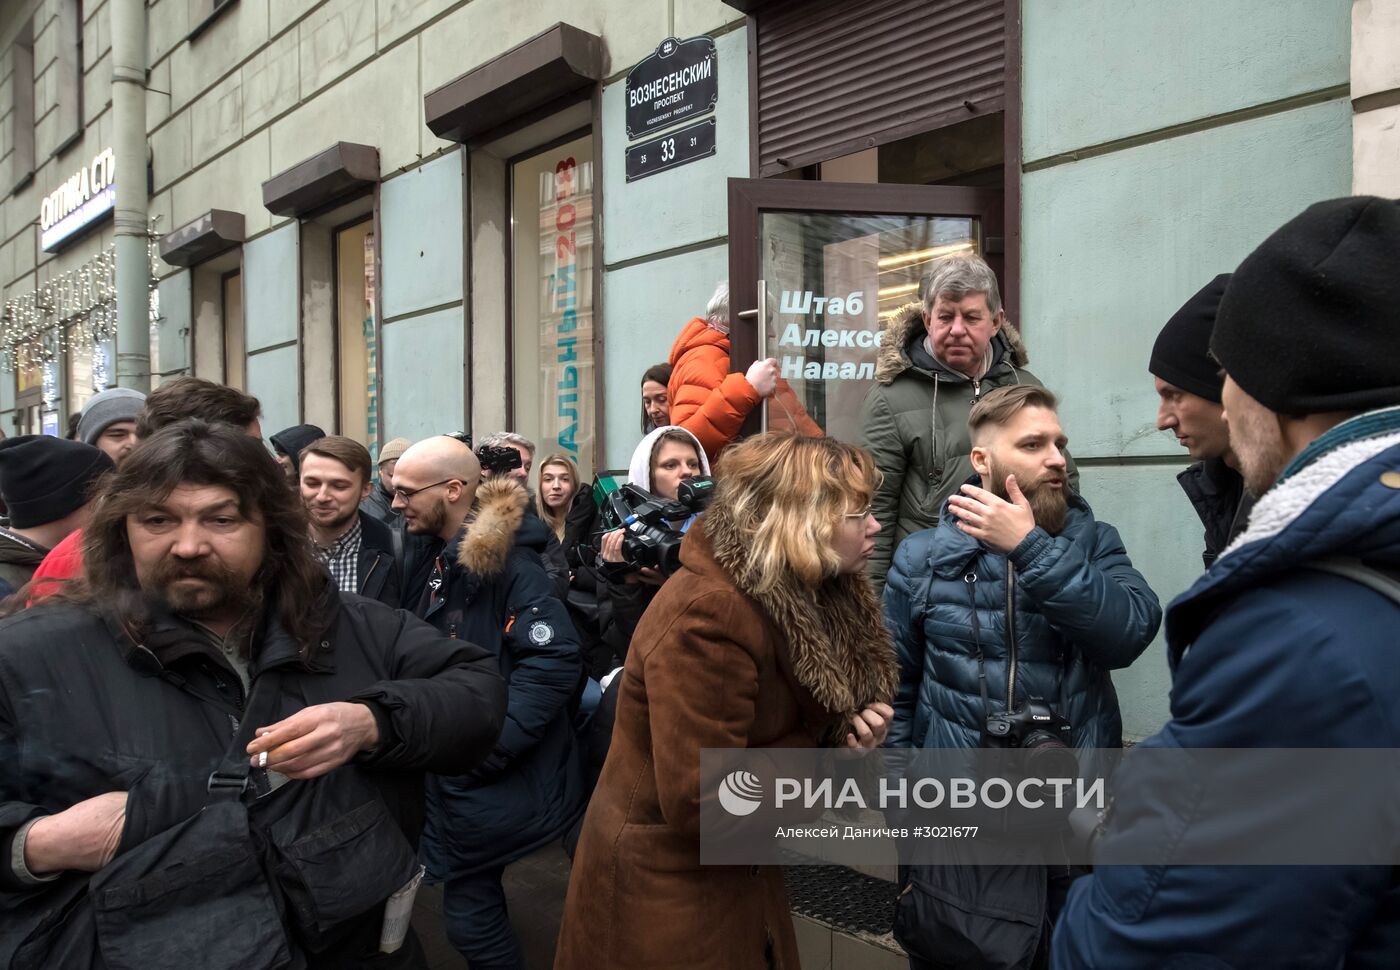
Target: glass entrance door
[{"x": 822, "y": 274}]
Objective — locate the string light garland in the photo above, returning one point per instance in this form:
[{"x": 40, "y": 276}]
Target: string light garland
[{"x": 74, "y": 310}]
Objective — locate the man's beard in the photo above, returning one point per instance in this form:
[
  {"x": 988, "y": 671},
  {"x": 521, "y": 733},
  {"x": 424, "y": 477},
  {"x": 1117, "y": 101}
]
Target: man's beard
[
  {"x": 430, "y": 521},
  {"x": 222, "y": 592},
  {"x": 1050, "y": 505},
  {"x": 1259, "y": 451},
  {"x": 337, "y": 525}
]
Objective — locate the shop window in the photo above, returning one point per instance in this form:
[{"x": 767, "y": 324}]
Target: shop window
[
  {"x": 231, "y": 312},
  {"x": 357, "y": 345},
  {"x": 833, "y": 255},
  {"x": 339, "y": 326},
  {"x": 91, "y": 368},
  {"x": 29, "y": 398},
  {"x": 552, "y": 300},
  {"x": 217, "y": 348}
]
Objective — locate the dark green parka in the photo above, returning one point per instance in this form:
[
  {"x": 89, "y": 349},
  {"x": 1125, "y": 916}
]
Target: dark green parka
[{"x": 914, "y": 421}]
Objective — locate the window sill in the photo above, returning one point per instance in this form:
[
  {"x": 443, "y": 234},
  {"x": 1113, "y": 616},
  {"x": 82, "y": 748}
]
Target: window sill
[
  {"x": 213, "y": 15},
  {"x": 68, "y": 143}
]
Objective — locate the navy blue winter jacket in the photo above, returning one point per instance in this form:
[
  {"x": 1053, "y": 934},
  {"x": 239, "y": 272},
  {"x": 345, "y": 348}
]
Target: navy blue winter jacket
[
  {"x": 1081, "y": 610},
  {"x": 1266, "y": 653},
  {"x": 495, "y": 593}
]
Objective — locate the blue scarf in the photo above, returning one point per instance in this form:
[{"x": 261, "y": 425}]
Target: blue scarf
[{"x": 1372, "y": 424}]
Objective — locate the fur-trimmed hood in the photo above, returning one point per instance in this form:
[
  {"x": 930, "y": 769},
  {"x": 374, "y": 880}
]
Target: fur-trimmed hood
[
  {"x": 839, "y": 649},
  {"x": 497, "y": 526},
  {"x": 893, "y": 358},
  {"x": 1335, "y": 503}
]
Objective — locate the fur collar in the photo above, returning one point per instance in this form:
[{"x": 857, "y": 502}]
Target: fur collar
[
  {"x": 490, "y": 533},
  {"x": 893, "y": 361},
  {"x": 838, "y": 646}
]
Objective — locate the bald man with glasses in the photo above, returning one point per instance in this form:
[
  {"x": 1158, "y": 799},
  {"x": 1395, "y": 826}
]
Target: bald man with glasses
[{"x": 477, "y": 575}]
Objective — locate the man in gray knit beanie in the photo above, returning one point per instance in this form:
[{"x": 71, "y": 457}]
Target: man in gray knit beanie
[{"x": 108, "y": 421}]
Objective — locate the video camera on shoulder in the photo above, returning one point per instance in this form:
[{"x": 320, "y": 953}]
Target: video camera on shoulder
[
  {"x": 498, "y": 459},
  {"x": 649, "y": 541}
]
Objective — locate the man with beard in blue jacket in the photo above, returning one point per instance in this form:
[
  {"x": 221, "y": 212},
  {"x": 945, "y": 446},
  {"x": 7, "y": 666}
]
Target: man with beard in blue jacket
[
  {"x": 476, "y": 575},
  {"x": 1267, "y": 652},
  {"x": 1019, "y": 595}
]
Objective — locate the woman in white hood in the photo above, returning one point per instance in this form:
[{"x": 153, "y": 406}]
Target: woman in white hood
[{"x": 667, "y": 457}]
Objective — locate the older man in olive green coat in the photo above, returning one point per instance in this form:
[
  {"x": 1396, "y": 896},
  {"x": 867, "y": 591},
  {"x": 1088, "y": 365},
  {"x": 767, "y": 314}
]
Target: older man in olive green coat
[{"x": 936, "y": 360}]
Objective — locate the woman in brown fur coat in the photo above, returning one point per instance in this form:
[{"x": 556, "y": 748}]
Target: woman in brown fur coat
[{"x": 768, "y": 637}]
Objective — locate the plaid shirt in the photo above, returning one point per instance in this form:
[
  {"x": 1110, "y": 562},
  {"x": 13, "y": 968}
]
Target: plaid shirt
[{"x": 342, "y": 557}]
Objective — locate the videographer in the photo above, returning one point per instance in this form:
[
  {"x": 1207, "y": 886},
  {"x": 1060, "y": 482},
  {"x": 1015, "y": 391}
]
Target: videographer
[
  {"x": 664, "y": 460},
  {"x": 506, "y": 454},
  {"x": 496, "y": 444},
  {"x": 1045, "y": 603}
]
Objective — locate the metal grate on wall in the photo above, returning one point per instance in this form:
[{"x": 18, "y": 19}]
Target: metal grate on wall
[{"x": 836, "y": 77}]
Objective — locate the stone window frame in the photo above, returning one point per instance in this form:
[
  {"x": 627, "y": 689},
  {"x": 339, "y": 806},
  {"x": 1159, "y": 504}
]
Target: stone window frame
[
  {"x": 70, "y": 75},
  {"x": 203, "y": 13},
  {"x": 23, "y": 163}
]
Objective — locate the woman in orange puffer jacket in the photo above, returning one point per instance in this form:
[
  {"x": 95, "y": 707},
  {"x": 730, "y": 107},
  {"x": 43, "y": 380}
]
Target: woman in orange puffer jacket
[{"x": 711, "y": 402}]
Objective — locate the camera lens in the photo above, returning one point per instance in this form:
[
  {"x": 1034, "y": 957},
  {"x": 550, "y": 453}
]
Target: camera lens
[{"x": 1048, "y": 757}]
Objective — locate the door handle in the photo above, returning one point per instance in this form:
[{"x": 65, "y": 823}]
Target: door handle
[{"x": 762, "y": 311}]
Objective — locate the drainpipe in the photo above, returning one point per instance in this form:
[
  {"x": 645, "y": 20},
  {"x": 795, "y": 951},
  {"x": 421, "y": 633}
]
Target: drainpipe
[{"x": 130, "y": 219}]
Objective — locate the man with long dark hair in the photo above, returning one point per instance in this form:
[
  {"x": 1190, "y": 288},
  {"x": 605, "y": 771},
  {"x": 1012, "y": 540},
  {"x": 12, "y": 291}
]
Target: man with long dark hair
[
  {"x": 177, "y": 399},
  {"x": 208, "y": 644}
]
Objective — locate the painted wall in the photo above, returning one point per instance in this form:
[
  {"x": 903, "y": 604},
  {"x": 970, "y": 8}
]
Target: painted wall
[
  {"x": 176, "y": 324},
  {"x": 651, "y": 289},
  {"x": 647, "y": 304},
  {"x": 421, "y": 213},
  {"x": 1100, "y": 70},
  {"x": 689, "y": 204},
  {"x": 1375, "y": 83},
  {"x": 270, "y": 325},
  {"x": 421, "y": 219},
  {"x": 1159, "y": 149},
  {"x": 423, "y": 382}
]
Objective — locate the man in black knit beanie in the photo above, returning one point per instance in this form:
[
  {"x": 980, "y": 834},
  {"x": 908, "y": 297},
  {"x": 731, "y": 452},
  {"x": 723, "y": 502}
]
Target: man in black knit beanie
[
  {"x": 1188, "y": 383},
  {"x": 1287, "y": 642},
  {"x": 46, "y": 484}
]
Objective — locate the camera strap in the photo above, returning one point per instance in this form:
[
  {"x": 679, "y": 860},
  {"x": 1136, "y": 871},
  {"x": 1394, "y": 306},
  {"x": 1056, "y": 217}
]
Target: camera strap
[{"x": 971, "y": 580}]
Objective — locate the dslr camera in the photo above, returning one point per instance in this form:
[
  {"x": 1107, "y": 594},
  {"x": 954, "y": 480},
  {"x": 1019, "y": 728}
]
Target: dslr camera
[
  {"x": 1038, "y": 730},
  {"x": 648, "y": 539}
]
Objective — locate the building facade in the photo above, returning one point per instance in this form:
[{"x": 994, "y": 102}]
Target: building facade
[{"x": 402, "y": 217}]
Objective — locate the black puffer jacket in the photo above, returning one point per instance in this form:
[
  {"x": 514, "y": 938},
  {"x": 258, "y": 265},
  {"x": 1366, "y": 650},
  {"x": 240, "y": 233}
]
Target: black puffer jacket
[{"x": 85, "y": 711}]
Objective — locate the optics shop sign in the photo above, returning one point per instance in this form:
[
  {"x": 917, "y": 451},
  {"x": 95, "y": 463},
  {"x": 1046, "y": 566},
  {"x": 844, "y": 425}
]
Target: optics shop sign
[
  {"x": 86, "y": 196},
  {"x": 677, "y": 83}
]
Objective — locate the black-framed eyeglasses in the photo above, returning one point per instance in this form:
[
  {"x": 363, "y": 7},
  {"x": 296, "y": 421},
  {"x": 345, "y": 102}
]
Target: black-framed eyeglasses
[{"x": 408, "y": 493}]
